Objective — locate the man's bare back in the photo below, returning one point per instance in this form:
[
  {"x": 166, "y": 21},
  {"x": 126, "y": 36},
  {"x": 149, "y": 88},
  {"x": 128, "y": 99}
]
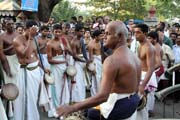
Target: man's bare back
[
  {"x": 124, "y": 66},
  {"x": 158, "y": 55},
  {"x": 154, "y": 39}
]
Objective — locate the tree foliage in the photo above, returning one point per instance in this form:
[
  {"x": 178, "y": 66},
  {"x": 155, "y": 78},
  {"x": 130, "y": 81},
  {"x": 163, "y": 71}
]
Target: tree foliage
[
  {"x": 125, "y": 9},
  {"x": 64, "y": 11}
]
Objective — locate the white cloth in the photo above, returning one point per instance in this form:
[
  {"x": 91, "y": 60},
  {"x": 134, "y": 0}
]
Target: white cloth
[
  {"x": 151, "y": 87},
  {"x": 14, "y": 67},
  {"x": 134, "y": 45},
  {"x": 152, "y": 84},
  {"x": 96, "y": 79},
  {"x": 176, "y": 51},
  {"x": 45, "y": 61},
  {"x": 142, "y": 114},
  {"x": 108, "y": 106},
  {"x": 78, "y": 89},
  {"x": 2, "y": 111},
  {"x": 34, "y": 80},
  {"x": 150, "y": 100},
  {"x": 59, "y": 90}
]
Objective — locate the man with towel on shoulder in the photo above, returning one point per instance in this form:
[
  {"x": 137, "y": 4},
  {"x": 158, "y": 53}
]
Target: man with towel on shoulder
[{"x": 120, "y": 79}]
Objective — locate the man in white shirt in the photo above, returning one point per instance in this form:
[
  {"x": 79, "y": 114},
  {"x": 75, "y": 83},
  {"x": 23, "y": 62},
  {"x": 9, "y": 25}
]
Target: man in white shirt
[{"x": 176, "y": 51}]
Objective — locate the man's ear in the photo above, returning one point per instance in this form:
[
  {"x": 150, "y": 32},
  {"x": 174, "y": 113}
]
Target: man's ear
[{"x": 119, "y": 35}]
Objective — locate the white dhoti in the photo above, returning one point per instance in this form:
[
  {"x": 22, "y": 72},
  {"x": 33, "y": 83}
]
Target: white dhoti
[
  {"x": 45, "y": 61},
  {"x": 14, "y": 67},
  {"x": 59, "y": 90},
  {"x": 78, "y": 92},
  {"x": 107, "y": 107},
  {"x": 2, "y": 111},
  {"x": 151, "y": 87},
  {"x": 31, "y": 89},
  {"x": 97, "y": 77}
]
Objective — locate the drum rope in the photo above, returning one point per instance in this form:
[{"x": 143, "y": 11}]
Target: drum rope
[{"x": 26, "y": 94}]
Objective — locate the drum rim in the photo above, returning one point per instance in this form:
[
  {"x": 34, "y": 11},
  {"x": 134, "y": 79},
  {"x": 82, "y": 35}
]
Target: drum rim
[
  {"x": 51, "y": 81},
  {"x": 4, "y": 94},
  {"x": 143, "y": 104},
  {"x": 92, "y": 63},
  {"x": 70, "y": 67}
]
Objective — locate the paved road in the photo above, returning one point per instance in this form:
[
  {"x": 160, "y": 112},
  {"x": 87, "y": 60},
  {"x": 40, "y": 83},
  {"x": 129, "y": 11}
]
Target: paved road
[{"x": 161, "y": 111}]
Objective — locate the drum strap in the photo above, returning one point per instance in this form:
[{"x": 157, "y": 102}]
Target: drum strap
[
  {"x": 39, "y": 54},
  {"x": 26, "y": 95},
  {"x": 83, "y": 48}
]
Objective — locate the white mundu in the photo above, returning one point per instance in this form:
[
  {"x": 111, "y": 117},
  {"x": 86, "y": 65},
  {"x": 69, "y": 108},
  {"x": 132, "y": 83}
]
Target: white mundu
[
  {"x": 31, "y": 86},
  {"x": 151, "y": 86},
  {"x": 14, "y": 67},
  {"x": 2, "y": 111},
  {"x": 78, "y": 88},
  {"x": 60, "y": 90},
  {"x": 97, "y": 77}
]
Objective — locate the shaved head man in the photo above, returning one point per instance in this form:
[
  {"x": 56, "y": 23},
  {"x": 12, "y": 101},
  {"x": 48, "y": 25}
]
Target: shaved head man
[{"x": 120, "y": 78}]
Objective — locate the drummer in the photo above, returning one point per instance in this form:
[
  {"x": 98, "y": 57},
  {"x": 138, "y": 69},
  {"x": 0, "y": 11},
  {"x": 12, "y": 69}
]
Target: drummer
[
  {"x": 78, "y": 92},
  {"x": 120, "y": 79},
  {"x": 4, "y": 64},
  {"x": 57, "y": 60},
  {"x": 30, "y": 82},
  {"x": 95, "y": 50}
]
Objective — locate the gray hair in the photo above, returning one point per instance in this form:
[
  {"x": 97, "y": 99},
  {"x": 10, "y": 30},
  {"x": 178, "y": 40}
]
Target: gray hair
[{"x": 123, "y": 30}]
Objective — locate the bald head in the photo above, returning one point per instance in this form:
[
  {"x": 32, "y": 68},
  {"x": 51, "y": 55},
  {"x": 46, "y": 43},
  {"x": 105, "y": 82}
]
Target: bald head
[{"x": 119, "y": 28}]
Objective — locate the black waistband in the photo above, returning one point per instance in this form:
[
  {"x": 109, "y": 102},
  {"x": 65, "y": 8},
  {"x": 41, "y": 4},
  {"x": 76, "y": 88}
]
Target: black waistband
[{"x": 29, "y": 68}]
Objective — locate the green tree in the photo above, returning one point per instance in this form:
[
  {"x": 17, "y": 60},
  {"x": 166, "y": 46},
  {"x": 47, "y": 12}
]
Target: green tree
[
  {"x": 125, "y": 9},
  {"x": 118, "y": 9},
  {"x": 64, "y": 11}
]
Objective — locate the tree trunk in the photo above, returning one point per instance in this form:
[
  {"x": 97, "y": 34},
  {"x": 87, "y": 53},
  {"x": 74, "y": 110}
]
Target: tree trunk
[{"x": 44, "y": 10}]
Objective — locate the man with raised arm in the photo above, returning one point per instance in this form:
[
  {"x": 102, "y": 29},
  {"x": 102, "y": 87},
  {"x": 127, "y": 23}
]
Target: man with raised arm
[{"x": 30, "y": 77}]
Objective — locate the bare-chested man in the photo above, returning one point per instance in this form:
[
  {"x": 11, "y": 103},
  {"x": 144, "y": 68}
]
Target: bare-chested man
[
  {"x": 42, "y": 42},
  {"x": 30, "y": 77},
  {"x": 57, "y": 59},
  {"x": 5, "y": 65},
  {"x": 148, "y": 78},
  {"x": 154, "y": 39},
  {"x": 8, "y": 49},
  {"x": 80, "y": 55},
  {"x": 95, "y": 51},
  {"x": 66, "y": 32},
  {"x": 120, "y": 79}
]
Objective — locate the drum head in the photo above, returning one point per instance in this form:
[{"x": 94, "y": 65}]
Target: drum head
[
  {"x": 49, "y": 78},
  {"x": 75, "y": 116},
  {"x": 71, "y": 71},
  {"x": 91, "y": 67},
  {"x": 10, "y": 91}
]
